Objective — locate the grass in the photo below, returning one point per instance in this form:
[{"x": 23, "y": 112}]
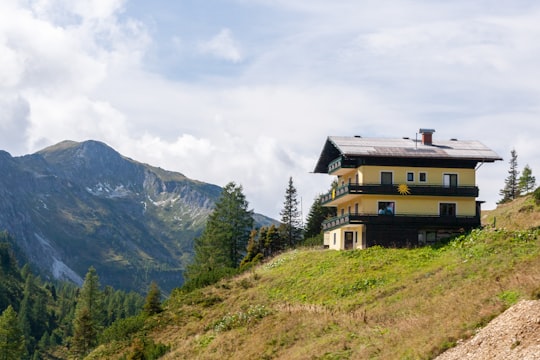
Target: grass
[{"x": 369, "y": 304}]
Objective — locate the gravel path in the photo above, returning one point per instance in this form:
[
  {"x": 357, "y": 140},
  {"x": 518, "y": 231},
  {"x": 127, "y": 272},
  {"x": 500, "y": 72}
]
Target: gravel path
[{"x": 513, "y": 335}]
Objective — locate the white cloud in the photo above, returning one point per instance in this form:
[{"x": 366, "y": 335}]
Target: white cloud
[
  {"x": 76, "y": 70},
  {"x": 223, "y": 46}
]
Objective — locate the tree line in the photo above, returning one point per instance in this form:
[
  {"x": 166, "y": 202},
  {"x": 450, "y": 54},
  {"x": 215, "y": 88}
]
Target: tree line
[
  {"x": 42, "y": 318},
  {"x": 230, "y": 243},
  {"x": 516, "y": 184}
]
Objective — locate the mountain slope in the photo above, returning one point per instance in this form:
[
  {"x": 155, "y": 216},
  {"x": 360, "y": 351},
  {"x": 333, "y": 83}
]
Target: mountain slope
[
  {"x": 73, "y": 205},
  {"x": 361, "y": 304}
]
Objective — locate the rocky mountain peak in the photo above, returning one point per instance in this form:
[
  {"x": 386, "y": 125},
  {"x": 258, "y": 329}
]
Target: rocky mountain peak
[{"x": 79, "y": 204}]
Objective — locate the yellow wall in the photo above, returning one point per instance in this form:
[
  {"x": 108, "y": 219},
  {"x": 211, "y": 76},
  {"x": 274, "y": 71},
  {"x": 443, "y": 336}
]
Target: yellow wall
[
  {"x": 339, "y": 236},
  {"x": 372, "y": 175},
  {"x": 409, "y": 204}
]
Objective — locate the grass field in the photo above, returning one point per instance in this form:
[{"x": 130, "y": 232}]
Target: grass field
[{"x": 362, "y": 304}]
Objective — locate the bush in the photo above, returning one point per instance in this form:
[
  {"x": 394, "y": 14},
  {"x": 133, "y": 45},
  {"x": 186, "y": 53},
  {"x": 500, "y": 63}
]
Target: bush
[
  {"x": 536, "y": 196},
  {"x": 147, "y": 349},
  {"x": 208, "y": 278},
  {"x": 122, "y": 329}
]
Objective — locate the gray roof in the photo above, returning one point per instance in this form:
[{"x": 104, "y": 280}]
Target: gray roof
[{"x": 352, "y": 146}]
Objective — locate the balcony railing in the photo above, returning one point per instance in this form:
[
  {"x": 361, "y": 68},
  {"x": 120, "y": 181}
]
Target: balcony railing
[
  {"x": 341, "y": 163},
  {"x": 426, "y": 190},
  {"x": 398, "y": 219}
]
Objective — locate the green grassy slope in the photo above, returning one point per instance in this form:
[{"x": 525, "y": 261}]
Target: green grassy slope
[{"x": 363, "y": 304}]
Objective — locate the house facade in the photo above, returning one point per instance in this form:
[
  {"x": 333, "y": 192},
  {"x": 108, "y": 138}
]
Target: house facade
[{"x": 400, "y": 192}]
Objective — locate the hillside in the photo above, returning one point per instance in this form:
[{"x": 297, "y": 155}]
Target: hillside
[
  {"x": 361, "y": 304},
  {"x": 75, "y": 205}
]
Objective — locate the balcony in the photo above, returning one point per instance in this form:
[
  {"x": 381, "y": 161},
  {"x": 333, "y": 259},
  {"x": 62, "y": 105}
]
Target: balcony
[
  {"x": 400, "y": 220},
  {"x": 343, "y": 192},
  {"x": 341, "y": 166}
]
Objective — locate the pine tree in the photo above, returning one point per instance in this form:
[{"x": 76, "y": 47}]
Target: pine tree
[
  {"x": 291, "y": 221},
  {"x": 511, "y": 190},
  {"x": 317, "y": 214},
  {"x": 152, "y": 303},
  {"x": 11, "y": 337},
  {"x": 222, "y": 244},
  {"x": 527, "y": 182},
  {"x": 273, "y": 242},
  {"x": 89, "y": 314}
]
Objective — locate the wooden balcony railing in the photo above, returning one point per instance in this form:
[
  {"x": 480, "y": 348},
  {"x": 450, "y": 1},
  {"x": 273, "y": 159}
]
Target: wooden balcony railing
[
  {"x": 426, "y": 190},
  {"x": 399, "y": 220},
  {"x": 341, "y": 163}
]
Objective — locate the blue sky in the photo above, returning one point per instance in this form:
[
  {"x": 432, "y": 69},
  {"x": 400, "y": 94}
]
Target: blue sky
[{"x": 248, "y": 91}]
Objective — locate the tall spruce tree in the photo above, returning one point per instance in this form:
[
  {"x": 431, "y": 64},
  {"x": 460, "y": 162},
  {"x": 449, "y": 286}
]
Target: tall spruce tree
[
  {"x": 291, "y": 221},
  {"x": 11, "y": 336},
  {"x": 223, "y": 242},
  {"x": 511, "y": 189},
  {"x": 527, "y": 182},
  {"x": 317, "y": 214},
  {"x": 89, "y": 314}
]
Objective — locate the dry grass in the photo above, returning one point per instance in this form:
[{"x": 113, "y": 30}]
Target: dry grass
[
  {"x": 367, "y": 304},
  {"x": 522, "y": 213}
]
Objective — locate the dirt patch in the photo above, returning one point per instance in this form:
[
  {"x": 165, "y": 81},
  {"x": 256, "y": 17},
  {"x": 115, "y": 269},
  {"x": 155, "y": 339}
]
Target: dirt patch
[{"x": 513, "y": 335}]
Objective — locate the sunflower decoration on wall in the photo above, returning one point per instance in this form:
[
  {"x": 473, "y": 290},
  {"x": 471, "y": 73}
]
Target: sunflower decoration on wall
[{"x": 404, "y": 189}]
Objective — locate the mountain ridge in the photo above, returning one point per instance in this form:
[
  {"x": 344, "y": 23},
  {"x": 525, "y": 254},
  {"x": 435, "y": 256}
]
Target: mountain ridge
[{"x": 78, "y": 204}]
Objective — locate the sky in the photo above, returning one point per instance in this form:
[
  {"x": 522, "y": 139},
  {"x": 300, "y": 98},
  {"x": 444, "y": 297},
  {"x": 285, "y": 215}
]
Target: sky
[{"x": 249, "y": 90}]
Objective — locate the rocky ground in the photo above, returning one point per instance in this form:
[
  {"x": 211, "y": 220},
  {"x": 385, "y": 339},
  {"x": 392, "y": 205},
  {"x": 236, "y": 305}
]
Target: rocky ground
[{"x": 514, "y": 335}]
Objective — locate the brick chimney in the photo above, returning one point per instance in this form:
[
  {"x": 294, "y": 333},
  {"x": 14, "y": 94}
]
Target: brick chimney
[{"x": 427, "y": 136}]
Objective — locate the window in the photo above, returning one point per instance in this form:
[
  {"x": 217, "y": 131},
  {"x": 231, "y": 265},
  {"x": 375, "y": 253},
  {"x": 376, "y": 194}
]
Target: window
[
  {"x": 450, "y": 180},
  {"x": 386, "y": 178},
  {"x": 386, "y": 208},
  {"x": 356, "y": 209},
  {"x": 447, "y": 209},
  {"x": 334, "y": 238},
  {"x": 423, "y": 177},
  {"x": 410, "y": 176}
]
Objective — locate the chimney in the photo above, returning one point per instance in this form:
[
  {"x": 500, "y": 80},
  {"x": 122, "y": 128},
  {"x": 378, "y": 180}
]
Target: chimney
[{"x": 427, "y": 136}]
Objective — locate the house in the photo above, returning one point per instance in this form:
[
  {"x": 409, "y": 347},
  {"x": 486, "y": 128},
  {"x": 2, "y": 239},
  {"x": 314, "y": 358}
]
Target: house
[{"x": 400, "y": 192}]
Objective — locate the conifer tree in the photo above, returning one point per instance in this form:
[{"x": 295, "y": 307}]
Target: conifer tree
[
  {"x": 273, "y": 242},
  {"x": 511, "y": 190},
  {"x": 152, "y": 303},
  {"x": 222, "y": 244},
  {"x": 317, "y": 214},
  {"x": 89, "y": 314},
  {"x": 527, "y": 182},
  {"x": 291, "y": 221},
  {"x": 11, "y": 337}
]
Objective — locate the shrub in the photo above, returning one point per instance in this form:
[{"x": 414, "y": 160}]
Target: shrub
[
  {"x": 122, "y": 329},
  {"x": 536, "y": 196}
]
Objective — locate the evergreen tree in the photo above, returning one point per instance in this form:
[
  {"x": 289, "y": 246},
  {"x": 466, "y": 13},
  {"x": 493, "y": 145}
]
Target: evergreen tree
[
  {"x": 317, "y": 214},
  {"x": 152, "y": 303},
  {"x": 527, "y": 182},
  {"x": 11, "y": 337},
  {"x": 511, "y": 190},
  {"x": 222, "y": 244},
  {"x": 291, "y": 221},
  {"x": 89, "y": 314},
  {"x": 84, "y": 332},
  {"x": 272, "y": 242}
]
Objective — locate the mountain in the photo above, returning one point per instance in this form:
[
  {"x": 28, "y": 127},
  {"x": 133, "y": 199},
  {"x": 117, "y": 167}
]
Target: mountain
[
  {"x": 377, "y": 303},
  {"x": 75, "y": 205}
]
